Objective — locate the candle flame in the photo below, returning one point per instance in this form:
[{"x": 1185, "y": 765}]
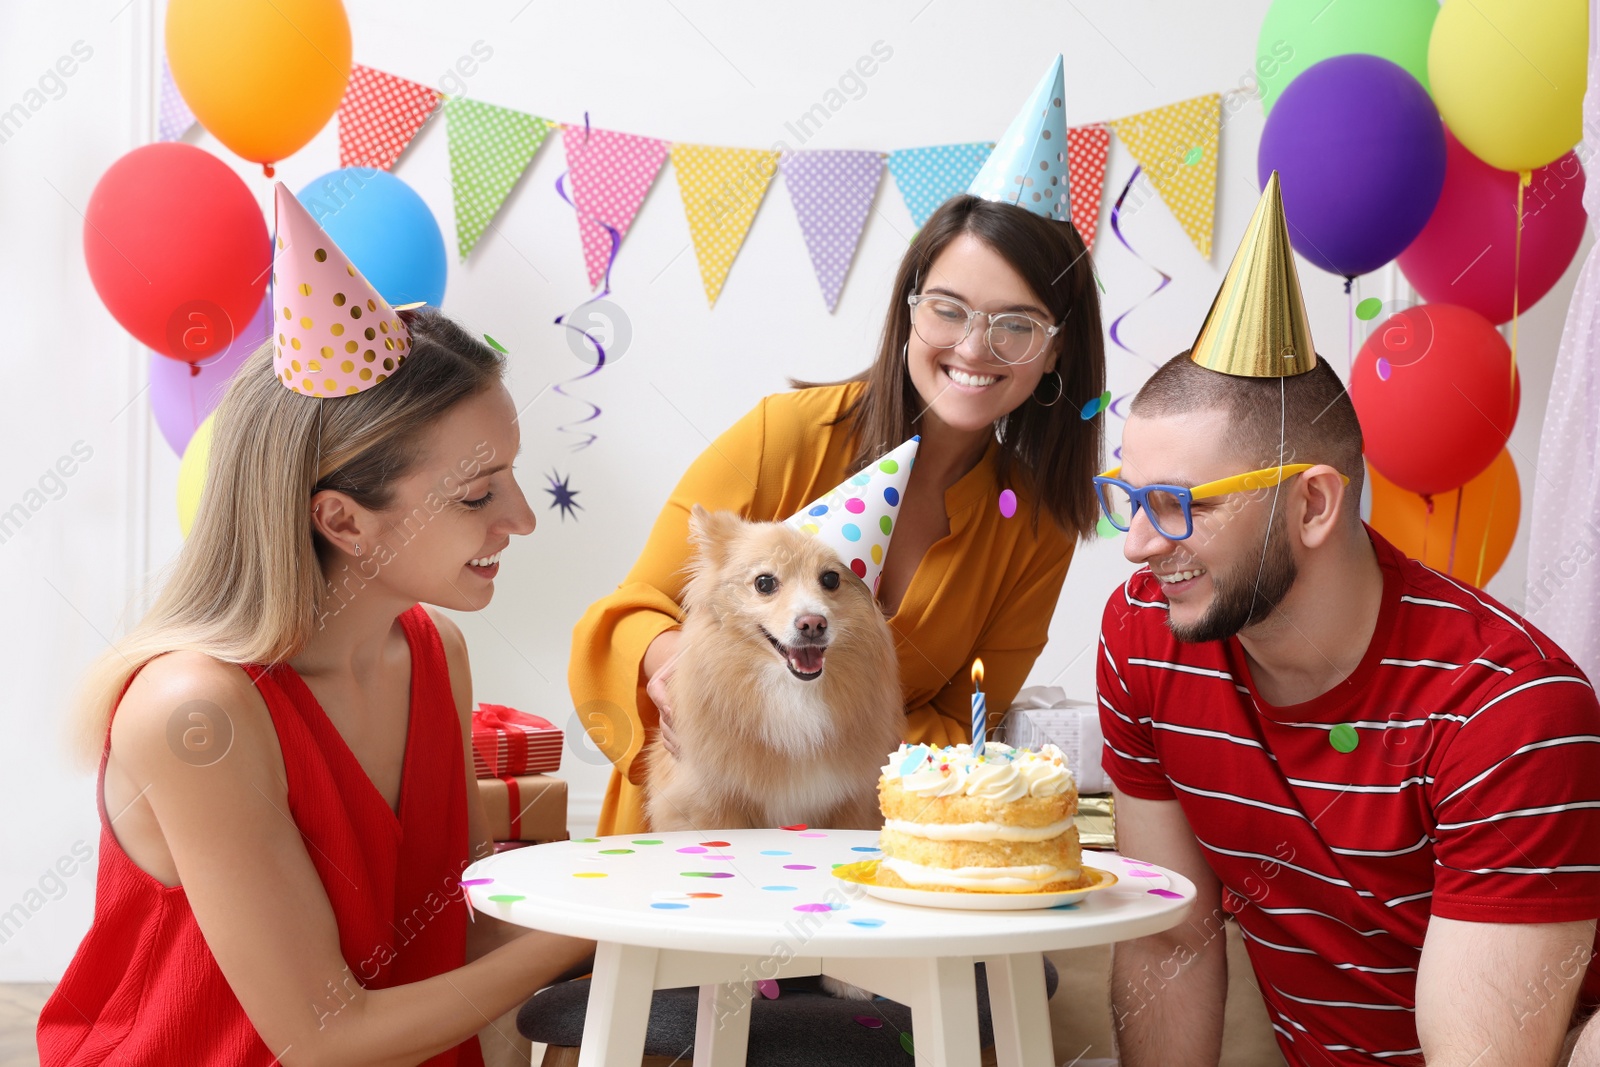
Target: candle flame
[{"x": 977, "y": 672}]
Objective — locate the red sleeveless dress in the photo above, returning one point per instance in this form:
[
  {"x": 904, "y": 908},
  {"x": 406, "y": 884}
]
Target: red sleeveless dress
[{"x": 144, "y": 988}]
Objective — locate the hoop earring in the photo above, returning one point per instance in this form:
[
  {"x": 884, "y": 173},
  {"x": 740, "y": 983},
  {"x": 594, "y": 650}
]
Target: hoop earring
[
  {"x": 358, "y": 548},
  {"x": 1061, "y": 390},
  {"x": 905, "y": 353}
]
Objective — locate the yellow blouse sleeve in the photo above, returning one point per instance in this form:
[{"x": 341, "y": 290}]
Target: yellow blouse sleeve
[
  {"x": 609, "y": 642},
  {"x": 1008, "y": 647}
]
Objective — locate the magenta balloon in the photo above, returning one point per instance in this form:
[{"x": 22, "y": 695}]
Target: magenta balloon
[
  {"x": 183, "y": 394},
  {"x": 1466, "y": 255}
]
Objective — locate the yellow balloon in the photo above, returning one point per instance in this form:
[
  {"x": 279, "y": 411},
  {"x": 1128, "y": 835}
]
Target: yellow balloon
[
  {"x": 262, "y": 75},
  {"x": 192, "y": 474},
  {"x": 1508, "y": 77}
]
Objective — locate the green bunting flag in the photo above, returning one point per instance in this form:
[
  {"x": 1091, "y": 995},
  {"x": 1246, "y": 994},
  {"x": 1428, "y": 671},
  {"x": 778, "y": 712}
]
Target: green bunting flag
[{"x": 490, "y": 147}]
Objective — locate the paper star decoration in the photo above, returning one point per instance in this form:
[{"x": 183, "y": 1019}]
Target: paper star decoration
[{"x": 565, "y": 497}]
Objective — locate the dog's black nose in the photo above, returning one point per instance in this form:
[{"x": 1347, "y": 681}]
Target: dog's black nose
[{"x": 812, "y": 626}]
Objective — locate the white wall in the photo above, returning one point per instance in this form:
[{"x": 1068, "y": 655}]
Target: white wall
[{"x": 711, "y": 72}]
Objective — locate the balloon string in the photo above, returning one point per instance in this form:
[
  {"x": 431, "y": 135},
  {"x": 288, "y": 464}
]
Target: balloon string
[
  {"x": 605, "y": 291},
  {"x": 1350, "y": 332},
  {"x": 1455, "y": 531},
  {"x": 1427, "y": 523},
  {"x": 1488, "y": 524},
  {"x": 1524, "y": 179}
]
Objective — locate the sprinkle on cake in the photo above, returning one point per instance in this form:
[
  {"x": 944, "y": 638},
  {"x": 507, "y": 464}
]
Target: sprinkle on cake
[{"x": 999, "y": 823}]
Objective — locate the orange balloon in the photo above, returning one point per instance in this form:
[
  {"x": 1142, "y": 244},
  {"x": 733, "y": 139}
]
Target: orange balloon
[
  {"x": 263, "y": 76},
  {"x": 1489, "y": 506}
]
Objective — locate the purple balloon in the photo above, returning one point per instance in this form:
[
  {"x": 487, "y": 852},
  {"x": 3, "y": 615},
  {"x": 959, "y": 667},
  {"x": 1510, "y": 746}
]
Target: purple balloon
[
  {"x": 183, "y": 394},
  {"x": 1359, "y": 150}
]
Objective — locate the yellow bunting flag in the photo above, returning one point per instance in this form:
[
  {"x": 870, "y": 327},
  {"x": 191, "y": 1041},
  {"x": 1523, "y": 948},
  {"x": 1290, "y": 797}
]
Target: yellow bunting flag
[
  {"x": 721, "y": 189},
  {"x": 1177, "y": 147}
]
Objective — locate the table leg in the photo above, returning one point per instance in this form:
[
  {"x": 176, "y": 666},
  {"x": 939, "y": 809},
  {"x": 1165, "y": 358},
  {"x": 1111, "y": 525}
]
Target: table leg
[
  {"x": 1020, "y": 1010},
  {"x": 722, "y": 1029},
  {"x": 945, "y": 1017},
  {"x": 619, "y": 1005}
]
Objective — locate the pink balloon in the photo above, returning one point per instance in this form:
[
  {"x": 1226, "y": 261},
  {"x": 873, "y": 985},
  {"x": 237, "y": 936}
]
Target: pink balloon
[
  {"x": 1466, "y": 254},
  {"x": 183, "y": 394}
]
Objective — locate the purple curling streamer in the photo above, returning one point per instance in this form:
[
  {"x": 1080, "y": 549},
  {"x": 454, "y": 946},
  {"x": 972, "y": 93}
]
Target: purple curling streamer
[
  {"x": 1166, "y": 279},
  {"x": 605, "y": 291}
]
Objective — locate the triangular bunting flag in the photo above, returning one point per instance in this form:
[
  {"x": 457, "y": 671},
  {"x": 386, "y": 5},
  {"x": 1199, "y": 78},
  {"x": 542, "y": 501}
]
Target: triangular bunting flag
[
  {"x": 832, "y": 193},
  {"x": 927, "y": 177},
  {"x": 490, "y": 147},
  {"x": 1177, "y": 147},
  {"x": 721, "y": 190},
  {"x": 379, "y": 115},
  {"x": 176, "y": 118},
  {"x": 610, "y": 174},
  {"x": 1086, "y": 156}
]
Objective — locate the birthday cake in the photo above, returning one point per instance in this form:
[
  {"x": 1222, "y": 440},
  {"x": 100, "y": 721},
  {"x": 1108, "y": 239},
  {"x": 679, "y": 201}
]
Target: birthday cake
[{"x": 996, "y": 823}]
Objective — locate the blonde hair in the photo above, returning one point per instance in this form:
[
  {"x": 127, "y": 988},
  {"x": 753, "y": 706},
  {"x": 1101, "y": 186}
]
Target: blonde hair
[{"x": 248, "y": 584}]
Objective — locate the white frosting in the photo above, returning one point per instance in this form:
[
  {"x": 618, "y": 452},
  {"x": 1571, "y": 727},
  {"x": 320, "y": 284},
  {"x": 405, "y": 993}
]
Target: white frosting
[
  {"x": 1001, "y": 774},
  {"x": 1033, "y": 876},
  {"x": 977, "y": 831}
]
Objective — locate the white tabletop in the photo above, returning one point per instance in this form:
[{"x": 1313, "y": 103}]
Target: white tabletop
[{"x": 740, "y": 891}]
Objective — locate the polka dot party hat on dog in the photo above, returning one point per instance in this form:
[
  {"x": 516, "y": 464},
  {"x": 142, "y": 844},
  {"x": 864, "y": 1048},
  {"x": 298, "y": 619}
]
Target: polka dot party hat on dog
[
  {"x": 1028, "y": 166},
  {"x": 335, "y": 335},
  {"x": 857, "y": 518}
]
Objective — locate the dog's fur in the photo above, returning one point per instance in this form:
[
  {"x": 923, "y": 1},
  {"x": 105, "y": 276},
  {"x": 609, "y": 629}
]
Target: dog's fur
[{"x": 763, "y": 741}]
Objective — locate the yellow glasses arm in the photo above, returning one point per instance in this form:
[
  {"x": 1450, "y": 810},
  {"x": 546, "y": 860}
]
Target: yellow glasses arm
[{"x": 1265, "y": 478}]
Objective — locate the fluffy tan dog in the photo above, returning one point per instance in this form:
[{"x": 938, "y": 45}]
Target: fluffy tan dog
[{"x": 786, "y": 694}]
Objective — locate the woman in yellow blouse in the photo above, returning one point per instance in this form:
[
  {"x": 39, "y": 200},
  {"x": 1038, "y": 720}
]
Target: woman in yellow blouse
[{"x": 991, "y": 347}]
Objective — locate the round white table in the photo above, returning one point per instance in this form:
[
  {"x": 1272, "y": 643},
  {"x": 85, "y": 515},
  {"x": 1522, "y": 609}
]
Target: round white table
[{"x": 728, "y": 909}]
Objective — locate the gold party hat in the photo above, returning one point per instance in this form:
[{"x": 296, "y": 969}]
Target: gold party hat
[{"x": 1257, "y": 326}]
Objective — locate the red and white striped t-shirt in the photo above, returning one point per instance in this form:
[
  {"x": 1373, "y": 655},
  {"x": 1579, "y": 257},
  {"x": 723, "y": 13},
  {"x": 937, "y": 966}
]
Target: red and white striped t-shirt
[{"x": 1473, "y": 793}]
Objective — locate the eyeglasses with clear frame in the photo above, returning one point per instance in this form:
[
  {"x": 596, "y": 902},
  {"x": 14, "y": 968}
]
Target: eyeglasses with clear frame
[{"x": 944, "y": 322}]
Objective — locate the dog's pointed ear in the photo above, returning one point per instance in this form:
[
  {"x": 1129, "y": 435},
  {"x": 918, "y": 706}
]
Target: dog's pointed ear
[{"x": 711, "y": 532}]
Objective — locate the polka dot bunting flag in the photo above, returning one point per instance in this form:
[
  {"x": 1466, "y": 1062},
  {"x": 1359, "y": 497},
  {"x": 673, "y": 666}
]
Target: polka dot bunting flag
[
  {"x": 1028, "y": 166},
  {"x": 1163, "y": 140},
  {"x": 927, "y": 177},
  {"x": 721, "y": 190},
  {"x": 832, "y": 192},
  {"x": 490, "y": 147},
  {"x": 379, "y": 115},
  {"x": 610, "y": 174},
  {"x": 334, "y": 335},
  {"x": 857, "y": 517}
]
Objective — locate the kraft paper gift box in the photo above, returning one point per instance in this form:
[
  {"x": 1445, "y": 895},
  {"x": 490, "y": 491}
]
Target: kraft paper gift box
[{"x": 529, "y": 807}]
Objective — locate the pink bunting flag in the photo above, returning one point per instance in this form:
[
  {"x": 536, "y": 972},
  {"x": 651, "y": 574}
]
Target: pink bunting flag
[
  {"x": 176, "y": 118},
  {"x": 610, "y": 174},
  {"x": 832, "y": 193},
  {"x": 379, "y": 116},
  {"x": 1086, "y": 157}
]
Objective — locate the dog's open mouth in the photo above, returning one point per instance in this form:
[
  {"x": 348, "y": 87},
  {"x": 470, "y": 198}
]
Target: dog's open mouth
[{"x": 803, "y": 661}]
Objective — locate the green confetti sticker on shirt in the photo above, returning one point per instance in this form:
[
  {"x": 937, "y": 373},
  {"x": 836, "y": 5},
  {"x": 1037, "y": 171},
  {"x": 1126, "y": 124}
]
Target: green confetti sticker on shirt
[
  {"x": 1344, "y": 737},
  {"x": 1368, "y": 309},
  {"x": 905, "y": 1043}
]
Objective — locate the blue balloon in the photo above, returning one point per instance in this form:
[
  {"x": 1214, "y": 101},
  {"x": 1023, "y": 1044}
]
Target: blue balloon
[{"x": 385, "y": 228}]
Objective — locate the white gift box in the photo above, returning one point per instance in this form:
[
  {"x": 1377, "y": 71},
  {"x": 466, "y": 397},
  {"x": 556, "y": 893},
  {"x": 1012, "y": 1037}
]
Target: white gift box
[{"x": 1045, "y": 714}]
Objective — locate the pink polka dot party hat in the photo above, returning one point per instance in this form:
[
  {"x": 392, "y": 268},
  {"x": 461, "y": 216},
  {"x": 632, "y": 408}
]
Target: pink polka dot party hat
[
  {"x": 335, "y": 335},
  {"x": 1028, "y": 166},
  {"x": 858, "y": 516}
]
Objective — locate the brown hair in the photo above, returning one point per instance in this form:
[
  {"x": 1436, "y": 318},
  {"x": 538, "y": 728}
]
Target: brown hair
[
  {"x": 248, "y": 586},
  {"x": 1052, "y": 449},
  {"x": 1312, "y": 412}
]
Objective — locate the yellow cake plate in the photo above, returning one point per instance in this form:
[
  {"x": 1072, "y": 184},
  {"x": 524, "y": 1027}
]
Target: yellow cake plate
[{"x": 865, "y": 874}]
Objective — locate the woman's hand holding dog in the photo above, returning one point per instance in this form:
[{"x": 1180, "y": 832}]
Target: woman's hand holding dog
[{"x": 660, "y": 658}]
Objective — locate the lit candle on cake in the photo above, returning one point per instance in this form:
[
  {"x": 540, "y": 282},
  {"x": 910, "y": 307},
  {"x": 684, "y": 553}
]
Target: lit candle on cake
[{"x": 980, "y": 710}]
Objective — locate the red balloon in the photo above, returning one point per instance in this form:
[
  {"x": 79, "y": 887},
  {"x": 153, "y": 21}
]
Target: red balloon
[
  {"x": 1433, "y": 389},
  {"x": 177, "y": 249},
  {"x": 1466, "y": 254}
]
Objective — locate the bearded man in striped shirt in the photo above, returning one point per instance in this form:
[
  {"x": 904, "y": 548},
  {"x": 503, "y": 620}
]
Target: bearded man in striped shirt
[{"x": 1388, "y": 779}]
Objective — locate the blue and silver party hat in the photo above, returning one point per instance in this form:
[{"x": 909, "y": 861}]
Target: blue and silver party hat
[{"x": 1028, "y": 166}]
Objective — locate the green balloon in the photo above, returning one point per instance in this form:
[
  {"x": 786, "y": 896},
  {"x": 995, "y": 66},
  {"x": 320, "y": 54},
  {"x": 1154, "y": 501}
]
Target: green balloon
[{"x": 1297, "y": 34}]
